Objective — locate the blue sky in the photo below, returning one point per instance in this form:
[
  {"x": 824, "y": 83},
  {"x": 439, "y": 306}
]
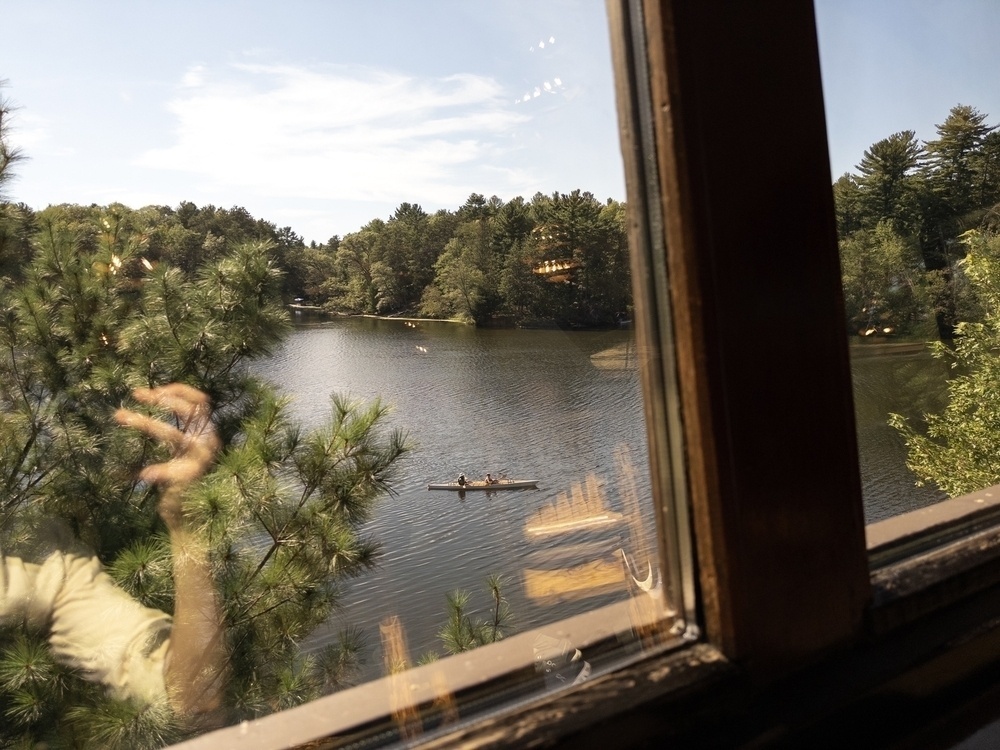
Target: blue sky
[
  {"x": 322, "y": 115},
  {"x": 893, "y": 65}
]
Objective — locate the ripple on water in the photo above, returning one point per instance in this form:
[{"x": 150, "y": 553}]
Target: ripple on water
[{"x": 548, "y": 405}]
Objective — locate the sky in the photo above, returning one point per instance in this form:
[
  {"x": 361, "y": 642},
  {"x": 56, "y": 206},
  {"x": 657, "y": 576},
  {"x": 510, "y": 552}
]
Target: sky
[
  {"x": 894, "y": 65},
  {"x": 321, "y": 115}
]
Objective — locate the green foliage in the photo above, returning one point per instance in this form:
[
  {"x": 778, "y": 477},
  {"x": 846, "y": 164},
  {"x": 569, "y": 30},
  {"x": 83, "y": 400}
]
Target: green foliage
[
  {"x": 43, "y": 699},
  {"x": 9, "y": 154},
  {"x": 17, "y": 225},
  {"x": 461, "y": 282},
  {"x": 123, "y": 725},
  {"x": 955, "y": 161},
  {"x": 928, "y": 196},
  {"x": 847, "y": 204},
  {"x": 884, "y": 283},
  {"x": 888, "y": 186},
  {"x": 479, "y": 263},
  {"x": 957, "y": 449},
  {"x": 463, "y": 632},
  {"x": 95, "y": 317}
]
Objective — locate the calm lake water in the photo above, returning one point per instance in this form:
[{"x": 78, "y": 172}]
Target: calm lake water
[
  {"x": 548, "y": 405},
  {"x": 533, "y": 404},
  {"x": 901, "y": 379}
]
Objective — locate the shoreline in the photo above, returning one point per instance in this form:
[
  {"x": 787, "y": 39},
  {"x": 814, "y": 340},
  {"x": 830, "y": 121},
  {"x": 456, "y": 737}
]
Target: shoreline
[
  {"x": 536, "y": 325},
  {"x": 870, "y": 348}
]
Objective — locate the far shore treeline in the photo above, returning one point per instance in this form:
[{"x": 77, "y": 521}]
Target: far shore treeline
[
  {"x": 559, "y": 259},
  {"x": 906, "y": 219}
]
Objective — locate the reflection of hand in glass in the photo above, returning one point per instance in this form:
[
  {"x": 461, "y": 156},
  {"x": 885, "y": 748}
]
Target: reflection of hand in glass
[
  {"x": 194, "y": 667},
  {"x": 194, "y": 443}
]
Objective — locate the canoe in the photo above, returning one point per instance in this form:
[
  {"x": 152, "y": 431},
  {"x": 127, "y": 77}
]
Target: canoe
[{"x": 503, "y": 484}]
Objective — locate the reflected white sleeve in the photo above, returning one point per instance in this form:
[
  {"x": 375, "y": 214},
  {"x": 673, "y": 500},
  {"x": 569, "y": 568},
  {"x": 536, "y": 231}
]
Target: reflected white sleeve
[{"x": 93, "y": 625}]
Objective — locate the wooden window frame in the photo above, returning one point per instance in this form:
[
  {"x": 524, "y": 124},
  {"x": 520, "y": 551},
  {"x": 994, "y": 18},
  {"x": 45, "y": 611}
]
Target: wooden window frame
[
  {"x": 803, "y": 644},
  {"x": 800, "y": 644}
]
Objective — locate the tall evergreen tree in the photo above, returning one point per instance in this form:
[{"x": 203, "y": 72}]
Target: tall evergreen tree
[
  {"x": 953, "y": 158},
  {"x": 847, "y": 204},
  {"x": 951, "y": 201},
  {"x": 281, "y": 512},
  {"x": 887, "y": 186}
]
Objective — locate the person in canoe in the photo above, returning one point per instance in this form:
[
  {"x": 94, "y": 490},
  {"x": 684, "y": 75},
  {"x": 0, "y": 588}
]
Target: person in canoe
[
  {"x": 490, "y": 479},
  {"x": 461, "y": 480}
]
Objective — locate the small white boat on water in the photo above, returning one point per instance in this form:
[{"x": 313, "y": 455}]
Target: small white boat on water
[{"x": 482, "y": 484}]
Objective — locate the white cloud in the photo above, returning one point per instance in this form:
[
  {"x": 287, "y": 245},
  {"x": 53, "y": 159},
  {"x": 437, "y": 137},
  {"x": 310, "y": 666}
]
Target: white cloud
[
  {"x": 342, "y": 134},
  {"x": 194, "y": 76},
  {"x": 29, "y": 131}
]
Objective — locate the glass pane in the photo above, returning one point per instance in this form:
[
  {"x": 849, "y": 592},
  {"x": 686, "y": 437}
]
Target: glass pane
[
  {"x": 913, "y": 137},
  {"x": 410, "y": 421}
]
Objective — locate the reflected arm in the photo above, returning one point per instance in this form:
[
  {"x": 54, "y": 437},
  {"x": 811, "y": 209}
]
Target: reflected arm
[{"x": 195, "y": 668}]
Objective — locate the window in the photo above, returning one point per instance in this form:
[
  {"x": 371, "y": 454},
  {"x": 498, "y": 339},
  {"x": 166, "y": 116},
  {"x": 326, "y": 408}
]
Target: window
[
  {"x": 800, "y": 646},
  {"x": 796, "y": 642},
  {"x": 595, "y": 595},
  {"x": 782, "y": 572}
]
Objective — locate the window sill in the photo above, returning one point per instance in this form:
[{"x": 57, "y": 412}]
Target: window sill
[
  {"x": 481, "y": 692},
  {"x": 934, "y": 557},
  {"x": 918, "y": 531}
]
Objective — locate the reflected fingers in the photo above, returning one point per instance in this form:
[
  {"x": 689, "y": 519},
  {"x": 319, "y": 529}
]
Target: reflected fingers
[{"x": 154, "y": 428}]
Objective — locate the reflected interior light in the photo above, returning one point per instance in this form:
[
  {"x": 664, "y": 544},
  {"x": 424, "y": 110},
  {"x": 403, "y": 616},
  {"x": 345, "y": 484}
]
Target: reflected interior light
[
  {"x": 396, "y": 660},
  {"x": 444, "y": 701},
  {"x": 559, "y": 661},
  {"x": 538, "y": 91},
  {"x": 648, "y": 602},
  {"x": 584, "y": 581},
  {"x": 645, "y": 584},
  {"x": 552, "y": 40},
  {"x": 541, "y": 44},
  {"x": 547, "y": 86},
  {"x": 581, "y": 508},
  {"x": 558, "y": 81}
]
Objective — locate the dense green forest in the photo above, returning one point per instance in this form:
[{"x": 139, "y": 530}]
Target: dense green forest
[
  {"x": 560, "y": 259},
  {"x": 902, "y": 220}
]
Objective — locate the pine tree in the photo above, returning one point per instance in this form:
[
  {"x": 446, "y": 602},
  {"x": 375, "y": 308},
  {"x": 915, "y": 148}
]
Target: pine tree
[
  {"x": 93, "y": 319},
  {"x": 954, "y": 159},
  {"x": 9, "y": 154},
  {"x": 888, "y": 185},
  {"x": 463, "y": 632}
]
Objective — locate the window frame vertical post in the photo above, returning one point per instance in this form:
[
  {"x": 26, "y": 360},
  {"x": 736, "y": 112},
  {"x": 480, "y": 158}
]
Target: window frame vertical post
[{"x": 761, "y": 346}]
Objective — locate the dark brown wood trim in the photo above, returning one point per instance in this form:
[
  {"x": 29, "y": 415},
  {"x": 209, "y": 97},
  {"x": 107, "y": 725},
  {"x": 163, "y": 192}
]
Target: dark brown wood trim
[{"x": 762, "y": 351}]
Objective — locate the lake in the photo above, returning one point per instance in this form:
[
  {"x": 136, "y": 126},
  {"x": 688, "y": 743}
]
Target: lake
[{"x": 564, "y": 408}]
